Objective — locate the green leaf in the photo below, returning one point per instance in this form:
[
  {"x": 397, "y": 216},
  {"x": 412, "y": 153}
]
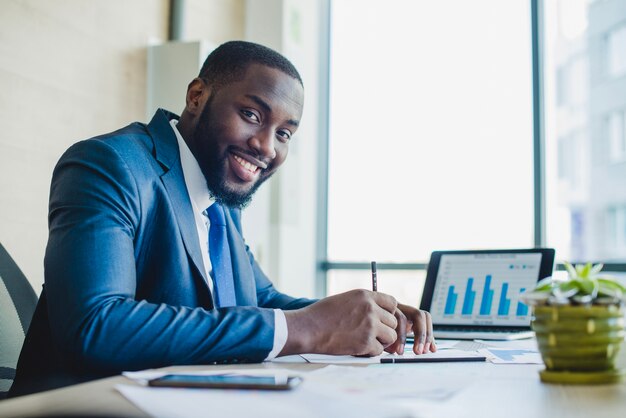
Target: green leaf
[
  {"x": 583, "y": 285},
  {"x": 587, "y": 286},
  {"x": 544, "y": 285},
  {"x": 567, "y": 289},
  {"x": 535, "y": 298},
  {"x": 604, "y": 290},
  {"x": 571, "y": 271},
  {"x": 596, "y": 269},
  {"x": 570, "y": 284},
  {"x": 583, "y": 271},
  {"x": 611, "y": 285}
]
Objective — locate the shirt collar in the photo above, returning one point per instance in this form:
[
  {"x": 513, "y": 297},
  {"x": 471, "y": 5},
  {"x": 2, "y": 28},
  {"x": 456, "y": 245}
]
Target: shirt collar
[{"x": 194, "y": 178}]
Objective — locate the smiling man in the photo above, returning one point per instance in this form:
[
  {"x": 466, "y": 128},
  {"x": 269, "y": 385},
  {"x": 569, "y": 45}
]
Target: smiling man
[
  {"x": 238, "y": 150},
  {"x": 146, "y": 265}
]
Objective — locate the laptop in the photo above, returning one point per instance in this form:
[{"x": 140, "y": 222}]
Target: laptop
[{"x": 476, "y": 294}]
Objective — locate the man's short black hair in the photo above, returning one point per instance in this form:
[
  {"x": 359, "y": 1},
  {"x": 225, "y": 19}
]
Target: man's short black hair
[{"x": 229, "y": 62}]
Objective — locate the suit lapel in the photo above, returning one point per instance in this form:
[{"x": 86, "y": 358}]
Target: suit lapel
[{"x": 167, "y": 154}]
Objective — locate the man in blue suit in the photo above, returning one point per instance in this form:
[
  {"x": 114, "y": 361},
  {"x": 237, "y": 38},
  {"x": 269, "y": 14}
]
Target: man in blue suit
[{"x": 146, "y": 265}]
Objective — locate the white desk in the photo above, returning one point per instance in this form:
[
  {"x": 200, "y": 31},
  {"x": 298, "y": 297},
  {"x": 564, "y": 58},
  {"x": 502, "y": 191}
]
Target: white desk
[{"x": 496, "y": 391}]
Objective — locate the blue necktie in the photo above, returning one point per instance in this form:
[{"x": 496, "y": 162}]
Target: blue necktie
[{"x": 219, "y": 252}]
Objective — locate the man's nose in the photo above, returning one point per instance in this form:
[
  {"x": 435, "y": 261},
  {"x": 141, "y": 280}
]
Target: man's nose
[{"x": 263, "y": 143}]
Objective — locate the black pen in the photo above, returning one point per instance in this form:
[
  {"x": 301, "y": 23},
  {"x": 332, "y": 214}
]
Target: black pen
[
  {"x": 374, "y": 281},
  {"x": 431, "y": 359}
]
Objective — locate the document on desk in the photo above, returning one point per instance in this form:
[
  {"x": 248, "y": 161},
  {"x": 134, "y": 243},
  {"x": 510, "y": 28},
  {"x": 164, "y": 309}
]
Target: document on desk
[
  {"x": 383, "y": 383},
  {"x": 201, "y": 403},
  {"x": 512, "y": 355},
  {"x": 439, "y": 356},
  {"x": 512, "y": 352},
  {"x": 314, "y": 398},
  {"x": 332, "y": 391}
]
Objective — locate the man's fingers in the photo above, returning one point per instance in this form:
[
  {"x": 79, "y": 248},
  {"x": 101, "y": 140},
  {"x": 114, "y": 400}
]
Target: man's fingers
[
  {"x": 423, "y": 330},
  {"x": 386, "y": 332},
  {"x": 375, "y": 349},
  {"x": 409, "y": 325},
  {"x": 419, "y": 331},
  {"x": 401, "y": 331},
  {"x": 430, "y": 338},
  {"x": 386, "y": 335},
  {"x": 386, "y": 302},
  {"x": 388, "y": 319}
]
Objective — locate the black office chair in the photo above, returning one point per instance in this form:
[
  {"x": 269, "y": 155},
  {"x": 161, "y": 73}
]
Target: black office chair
[{"x": 17, "y": 305}]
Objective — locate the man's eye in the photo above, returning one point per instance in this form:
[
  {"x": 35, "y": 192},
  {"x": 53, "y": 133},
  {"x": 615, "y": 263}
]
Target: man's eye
[
  {"x": 250, "y": 115},
  {"x": 285, "y": 135}
]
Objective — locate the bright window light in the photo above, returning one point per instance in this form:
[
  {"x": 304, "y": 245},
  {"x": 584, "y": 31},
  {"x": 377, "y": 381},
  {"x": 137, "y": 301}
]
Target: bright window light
[{"x": 430, "y": 128}]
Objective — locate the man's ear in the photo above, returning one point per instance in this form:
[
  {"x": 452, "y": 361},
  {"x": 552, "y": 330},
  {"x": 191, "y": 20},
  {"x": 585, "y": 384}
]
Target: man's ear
[{"x": 197, "y": 93}]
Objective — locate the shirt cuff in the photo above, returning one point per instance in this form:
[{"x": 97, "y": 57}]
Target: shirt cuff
[{"x": 280, "y": 334}]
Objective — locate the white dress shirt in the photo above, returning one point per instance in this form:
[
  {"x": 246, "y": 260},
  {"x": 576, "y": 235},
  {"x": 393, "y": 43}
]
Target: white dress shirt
[{"x": 200, "y": 198}]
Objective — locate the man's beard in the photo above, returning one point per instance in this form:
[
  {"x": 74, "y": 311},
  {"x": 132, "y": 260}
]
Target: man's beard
[{"x": 213, "y": 165}]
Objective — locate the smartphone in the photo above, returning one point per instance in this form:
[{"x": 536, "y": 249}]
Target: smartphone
[{"x": 227, "y": 381}]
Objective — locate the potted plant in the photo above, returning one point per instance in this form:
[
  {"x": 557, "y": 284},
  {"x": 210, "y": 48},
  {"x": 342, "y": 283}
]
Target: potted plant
[{"x": 579, "y": 323}]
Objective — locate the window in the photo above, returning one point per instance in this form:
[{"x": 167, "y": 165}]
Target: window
[
  {"x": 430, "y": 129},
  {"x": 571, "y": 82},
  {"x": 571, "y": 163},
  {"x": 616, "y": 133},
  {"x": 405, "y": 285},
  {"x": 616, "y": 229},
  {"x": 585, "y": 138},
  {"x": 615, "y": 47}
]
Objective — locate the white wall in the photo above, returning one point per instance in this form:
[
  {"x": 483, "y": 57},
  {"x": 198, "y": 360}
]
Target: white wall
[
  {"x": 69, "y": 70},
  {"x": 216, "y": 21},
  {"x": 290, "y": 201},
  {"x": 72, "y": 69}
]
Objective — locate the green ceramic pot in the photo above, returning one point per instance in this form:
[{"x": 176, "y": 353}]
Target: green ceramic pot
[{"x": 579, "y": 344}]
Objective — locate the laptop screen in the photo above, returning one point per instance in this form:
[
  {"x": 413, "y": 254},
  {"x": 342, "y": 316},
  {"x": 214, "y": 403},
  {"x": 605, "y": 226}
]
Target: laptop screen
[{"x": 484, "y": 288}]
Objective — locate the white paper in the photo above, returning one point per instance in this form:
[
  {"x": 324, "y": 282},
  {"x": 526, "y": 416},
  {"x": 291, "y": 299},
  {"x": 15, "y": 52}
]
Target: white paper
[
  {"x": 302, "y": 403},
  {"x": 503, "y": 355},
  {"x": 527, "y": 344},
  {"x": 332, "y": 391},
  {"x": 296, "y": 358},
  {"x": 386, "y": 383},
  {"x": 378, "y": 390},
  {"x": 330, "y": 359},
  {"x": 443, "y": 343},
  {"x": 470, "y": 345},
  {"x": 440, "y": 354}
]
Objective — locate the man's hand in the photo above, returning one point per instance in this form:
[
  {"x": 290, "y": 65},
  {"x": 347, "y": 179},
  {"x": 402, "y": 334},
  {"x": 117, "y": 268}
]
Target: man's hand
[
  {"x": 358, "y": 322},
  {"x": 420, "y": 322}
]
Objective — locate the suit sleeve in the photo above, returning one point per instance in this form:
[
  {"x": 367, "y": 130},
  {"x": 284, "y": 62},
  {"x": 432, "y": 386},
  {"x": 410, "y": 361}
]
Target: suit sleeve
[{"x": 91, "y": 281}]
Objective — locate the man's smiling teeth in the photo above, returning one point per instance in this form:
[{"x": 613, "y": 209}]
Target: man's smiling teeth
[{"x": 245, "y": 164}]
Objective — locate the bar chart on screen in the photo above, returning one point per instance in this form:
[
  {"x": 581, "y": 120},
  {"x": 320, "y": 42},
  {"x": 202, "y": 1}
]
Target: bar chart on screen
[
  {"x": 486, "y": 300},
  {"x": 485, "y": 288}
]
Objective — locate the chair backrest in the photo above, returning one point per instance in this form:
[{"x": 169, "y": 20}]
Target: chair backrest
[{"x": 17, "y": 305}]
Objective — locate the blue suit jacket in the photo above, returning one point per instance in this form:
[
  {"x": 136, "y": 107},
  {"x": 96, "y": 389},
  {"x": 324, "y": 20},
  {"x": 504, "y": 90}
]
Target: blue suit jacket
[{"x": 124, "y": 279}]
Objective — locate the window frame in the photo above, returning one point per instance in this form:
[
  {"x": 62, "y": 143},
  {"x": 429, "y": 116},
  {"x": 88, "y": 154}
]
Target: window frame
[{"x": 539, "y": 184}]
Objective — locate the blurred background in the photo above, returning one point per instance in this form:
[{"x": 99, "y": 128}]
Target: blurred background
[{"x": 427, "y": 125}]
